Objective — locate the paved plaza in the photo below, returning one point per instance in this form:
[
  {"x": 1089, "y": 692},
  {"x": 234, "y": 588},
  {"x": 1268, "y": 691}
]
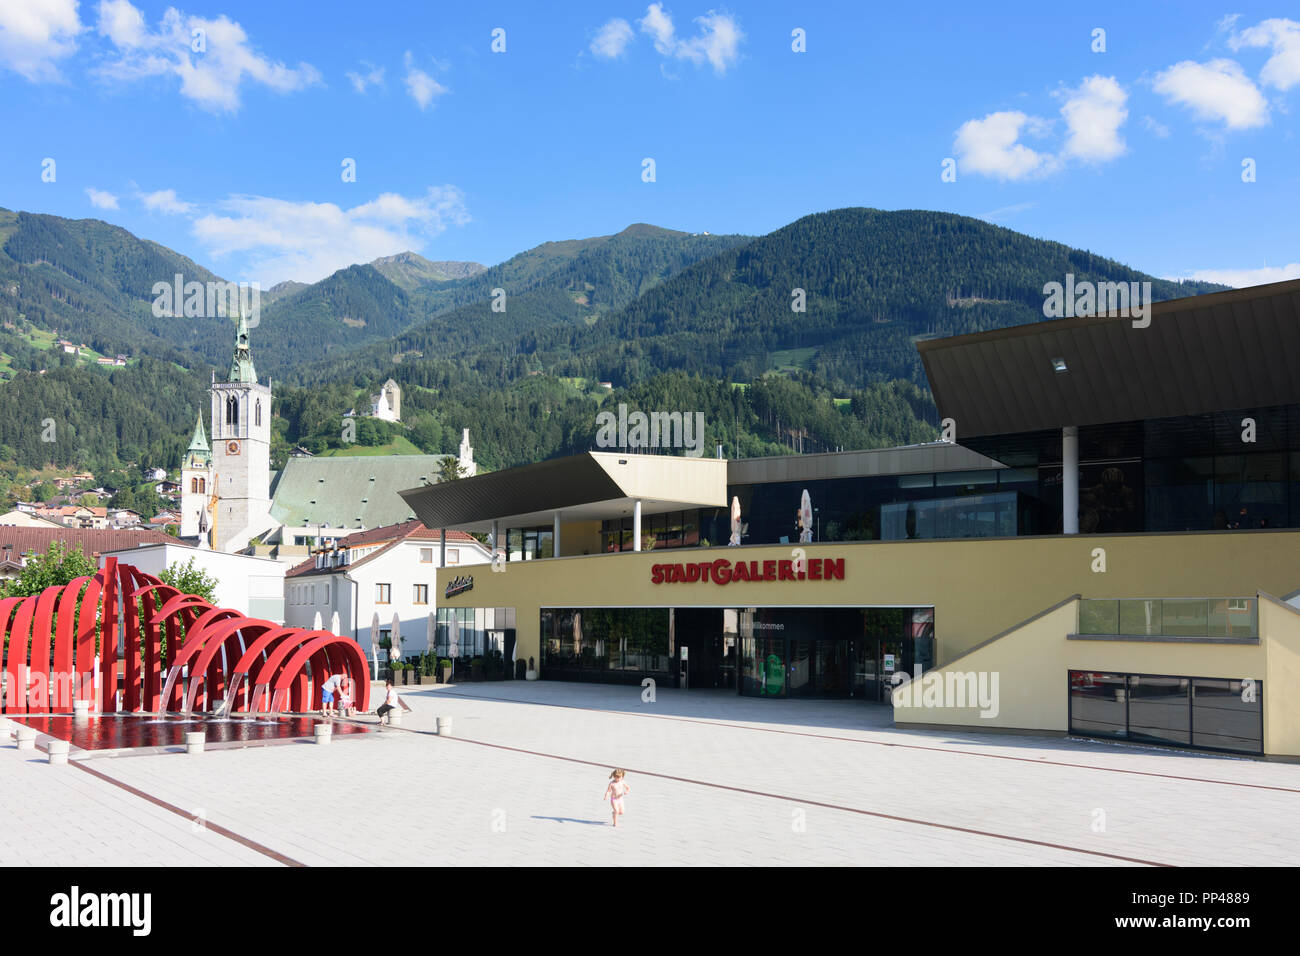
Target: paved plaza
[{"x": 716, "y": 779}]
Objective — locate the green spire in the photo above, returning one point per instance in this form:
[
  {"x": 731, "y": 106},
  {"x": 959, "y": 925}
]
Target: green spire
[
  {"x": 241, "y": 366},
  {"x": 200, "y": 440}
]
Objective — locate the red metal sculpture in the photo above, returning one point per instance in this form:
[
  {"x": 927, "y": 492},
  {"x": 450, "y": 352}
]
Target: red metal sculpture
[{"x": 63, "y": 644}]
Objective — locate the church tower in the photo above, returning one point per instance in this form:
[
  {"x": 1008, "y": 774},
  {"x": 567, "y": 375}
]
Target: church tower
[
  {"x": 241, "y": 450},
  {"x": 196, "y": 486}
]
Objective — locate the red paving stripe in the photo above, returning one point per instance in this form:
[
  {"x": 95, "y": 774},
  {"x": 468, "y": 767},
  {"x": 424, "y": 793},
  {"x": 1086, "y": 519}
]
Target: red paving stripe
[
  {"x": 214, "y": 827},
  {"x": 818, "y": 803},
  {"x": 1037, "y": 761}
]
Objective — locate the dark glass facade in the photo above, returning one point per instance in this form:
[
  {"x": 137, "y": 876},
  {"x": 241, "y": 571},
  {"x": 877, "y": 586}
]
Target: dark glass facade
[
  {"x": 1201, "y": 712},
  {"x": 759, "y": 652}
]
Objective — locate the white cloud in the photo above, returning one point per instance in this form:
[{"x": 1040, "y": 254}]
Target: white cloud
[
  {"x": 424, "y": 89},
  {"x": 1216, "y": 91},
  {"x": 1003, "y": 213},
  {"x": 612, "y": 39},
  {"x": 360, "y": 81},
  {"x": 307, "y": 241},
  {"x": 718, "y": 41},
  {"x": 1282, "y": 36},
  {"x": 101, "y": 199},
  {"x": 36, "y": 33},
  {"x": 1153, "y": 125},
  {"x": 166, "y": 202},
  {"x": 991, "y": 147},
  {"x": 210, "y": 76},
  {"x": 1241, "y": 278},
  {"x": 1093, "y": 115}
]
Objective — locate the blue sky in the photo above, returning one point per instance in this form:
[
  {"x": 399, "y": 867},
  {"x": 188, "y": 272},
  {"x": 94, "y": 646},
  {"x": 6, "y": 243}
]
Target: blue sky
[{"x": 233, "y": 153}]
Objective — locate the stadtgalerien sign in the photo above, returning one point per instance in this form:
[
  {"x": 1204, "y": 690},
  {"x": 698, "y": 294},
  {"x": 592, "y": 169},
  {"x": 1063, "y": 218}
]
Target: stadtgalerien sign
[
  {"x": 459, "y": 585},
  {"x": 724, "y": 571}
]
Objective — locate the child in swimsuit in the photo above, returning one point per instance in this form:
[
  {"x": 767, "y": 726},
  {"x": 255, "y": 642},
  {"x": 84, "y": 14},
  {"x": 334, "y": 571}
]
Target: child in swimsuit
[{"x": 614, "y": 793}]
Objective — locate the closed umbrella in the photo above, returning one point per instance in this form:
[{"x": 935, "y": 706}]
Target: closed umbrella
[
  {"x": 453, "y": 639},
  {"x": 315, "y": 622},
  {"x": 734, "y": 541},
  {"x": 431, "y": 633},
  {"x": 805, "y": 518},
  {"x": 334, "y": 623},
  {"x": 397, "y": 636}
]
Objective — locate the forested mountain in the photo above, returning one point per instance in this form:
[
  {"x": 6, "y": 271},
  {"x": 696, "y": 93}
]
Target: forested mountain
[
  {"x": 93, "y": 282},
  {"x": 409, "y": 270},
  {"x": 675, "y": 321},
  {"x": 873, "y": 283},
  {"x": 567, "y": 284}
]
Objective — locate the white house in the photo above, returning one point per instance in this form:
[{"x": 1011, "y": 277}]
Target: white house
[
  {"x": 384, "y": 571},
  {"x": 251, "y": 585}
]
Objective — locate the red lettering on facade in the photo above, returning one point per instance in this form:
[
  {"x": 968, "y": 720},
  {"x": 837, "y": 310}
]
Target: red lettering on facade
[
  {"x": 785, "y": 571},
  {"x": 815, "y": 568},
  {"x": 769, "y": 570},
  {"x": 833, "y": 568}
]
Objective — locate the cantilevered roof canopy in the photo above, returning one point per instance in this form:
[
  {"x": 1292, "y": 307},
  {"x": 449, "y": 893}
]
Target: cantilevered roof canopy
[
  {"x": 590, "y": 486},
  {"x": 1216, "y": 352}
]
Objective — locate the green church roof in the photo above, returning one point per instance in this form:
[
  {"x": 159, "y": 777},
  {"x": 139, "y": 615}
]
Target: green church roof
[
  {"x": 200, "y": 440},
  {"x": 334, "y": 492}
]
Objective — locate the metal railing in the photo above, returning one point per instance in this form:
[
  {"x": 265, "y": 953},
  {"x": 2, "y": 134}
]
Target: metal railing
[{"x": 1219, "y": 618}]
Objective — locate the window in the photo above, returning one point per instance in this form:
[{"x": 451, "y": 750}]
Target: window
[
  {"x": 232, "y": 411},
  {"x": 383, "y": 593},
  {"x": 257, "y": 413},
  {"x": 426, "y": 555},
  {"x": 421, "y": 594},
  {"x": 453, "y": 555}
]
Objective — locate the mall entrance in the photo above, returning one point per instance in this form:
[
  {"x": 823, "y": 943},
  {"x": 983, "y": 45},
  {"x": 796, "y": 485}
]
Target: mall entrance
[{"x": 802, "y": 652}]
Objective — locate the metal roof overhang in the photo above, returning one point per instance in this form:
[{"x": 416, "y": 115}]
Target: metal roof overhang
[
  {"x": 589, "y": 487},
  {"x": 1216, "y": 352}
]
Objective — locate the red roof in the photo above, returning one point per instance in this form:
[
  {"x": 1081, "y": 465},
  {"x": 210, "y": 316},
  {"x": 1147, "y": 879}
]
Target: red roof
[
  {"x": 388, "y": 536},
  {"x": 93, "y": 541}
]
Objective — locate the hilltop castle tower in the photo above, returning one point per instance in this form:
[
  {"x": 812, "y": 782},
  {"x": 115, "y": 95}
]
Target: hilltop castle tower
[{"x": 241, "y": 450}]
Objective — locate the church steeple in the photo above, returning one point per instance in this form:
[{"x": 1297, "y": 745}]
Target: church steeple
[
  {"x": 241, "y": 366},
  {"x": 199, "y": 443}
]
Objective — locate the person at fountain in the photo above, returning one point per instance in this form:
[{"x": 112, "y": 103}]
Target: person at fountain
[
  {"x": 327, "y": 694},
  {"x": 389, "y": 704},
  {"x": 347, "y": 698}
]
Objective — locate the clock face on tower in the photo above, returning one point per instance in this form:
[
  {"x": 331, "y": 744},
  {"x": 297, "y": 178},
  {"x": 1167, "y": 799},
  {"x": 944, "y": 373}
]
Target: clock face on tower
[{"x": 232, "y": 448}]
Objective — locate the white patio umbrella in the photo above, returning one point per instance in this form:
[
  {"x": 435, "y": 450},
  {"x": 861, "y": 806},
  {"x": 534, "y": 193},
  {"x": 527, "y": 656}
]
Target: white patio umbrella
[
  {"x": 453, "y": 640},
  {"x": 805, "y": 518},
  {"x": 315, "y": 622},
  {"x": 397, "y": 635},
  {"x": 734, "y": 541},
  {"x": 431, "y": 634},
  {"x": 334, "y": 623}
]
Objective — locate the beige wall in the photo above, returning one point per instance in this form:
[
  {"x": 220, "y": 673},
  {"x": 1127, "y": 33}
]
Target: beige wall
[
  {"x": 1033, "y": 661},
  {"x": 577, "y": 537},
  {"x": 977, "y": 588}
]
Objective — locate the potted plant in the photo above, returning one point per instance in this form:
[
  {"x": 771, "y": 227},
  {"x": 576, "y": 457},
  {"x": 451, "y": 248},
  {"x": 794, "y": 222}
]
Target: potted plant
[
  {"x": 476, "y": 668},
  {"x": 444, "y": 671},
  {"x": 531, "y": 673}
]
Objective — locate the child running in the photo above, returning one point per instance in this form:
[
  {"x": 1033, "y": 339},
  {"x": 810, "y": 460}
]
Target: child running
[{"x": 614, "y": 793}]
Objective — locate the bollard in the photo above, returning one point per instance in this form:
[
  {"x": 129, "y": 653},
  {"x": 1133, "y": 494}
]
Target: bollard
[
  {"x": 444, "y": 726},
  {"x": 57, "y": 751},
  {"x": 194, "y": 741},
  {"x": 395, "y": 717},
  {"x": 81, "y": 708},
  {"x": 324, "y": 733},
  {"x": 26, "y": 737}
]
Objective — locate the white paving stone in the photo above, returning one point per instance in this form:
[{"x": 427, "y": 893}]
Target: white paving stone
[{"x": 716, "y": 780}]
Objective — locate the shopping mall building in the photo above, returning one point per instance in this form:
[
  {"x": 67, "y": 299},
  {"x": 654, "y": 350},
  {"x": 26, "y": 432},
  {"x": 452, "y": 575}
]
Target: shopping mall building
[{"x": 1109, "y": 546}]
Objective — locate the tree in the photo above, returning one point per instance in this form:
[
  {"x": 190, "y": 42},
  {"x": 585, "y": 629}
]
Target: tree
[
  {"x": 56, "y": 567},
  {"x": 451, "y": 470},
  {"x": 188, "y": 579}
]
